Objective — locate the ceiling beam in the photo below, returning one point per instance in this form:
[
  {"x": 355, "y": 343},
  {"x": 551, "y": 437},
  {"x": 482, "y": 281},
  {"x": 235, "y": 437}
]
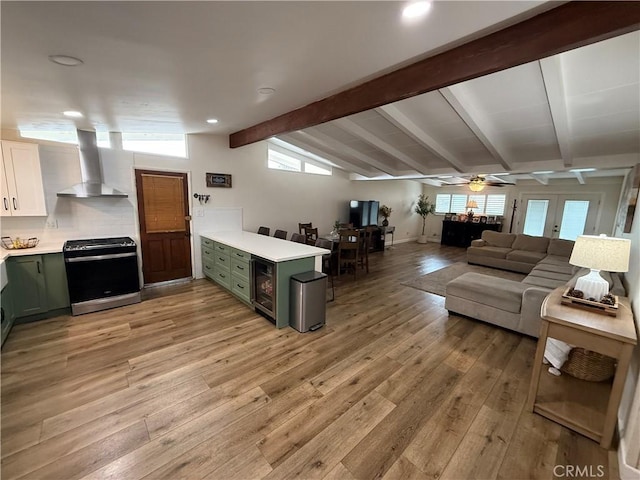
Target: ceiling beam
[
  {"x": 356, "y": 130},
  {"x": 331, "y": 143},
  {"x": 477, "y": 123},
  {"x": 551, "y": 69},
  {"x": 580, "y": 177},
  {"x": 568, "y": 26},
  {"x": 542, "y": 179},
  {"x": 394, "y": 115}
]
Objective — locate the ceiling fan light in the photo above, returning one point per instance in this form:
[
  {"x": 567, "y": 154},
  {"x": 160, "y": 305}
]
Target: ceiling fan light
[{"x": 476, "y": 185}]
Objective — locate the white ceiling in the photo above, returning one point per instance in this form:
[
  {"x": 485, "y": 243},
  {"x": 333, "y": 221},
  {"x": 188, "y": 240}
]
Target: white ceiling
[{"x": 168, "y": 66}]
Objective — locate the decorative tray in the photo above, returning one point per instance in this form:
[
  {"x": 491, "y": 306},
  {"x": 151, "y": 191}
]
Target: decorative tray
[
  {"x": 591, "y": 305},
  {"x": 18, "y": 243}
]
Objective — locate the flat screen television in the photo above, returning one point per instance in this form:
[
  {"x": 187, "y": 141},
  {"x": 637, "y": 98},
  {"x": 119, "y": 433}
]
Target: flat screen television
[{"x": 363, "y": 213}]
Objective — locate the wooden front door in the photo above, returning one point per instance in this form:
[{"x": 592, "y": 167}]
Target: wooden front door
[{"x": 163, "y": 209}]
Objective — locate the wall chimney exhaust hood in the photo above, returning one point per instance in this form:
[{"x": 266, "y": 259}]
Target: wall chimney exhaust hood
[{"x": 91, "y": 170}]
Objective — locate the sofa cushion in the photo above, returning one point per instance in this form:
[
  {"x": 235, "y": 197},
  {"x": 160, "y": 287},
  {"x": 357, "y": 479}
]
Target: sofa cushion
[
  {"x": 543, "y": 282},
  {"x": 489, "y": 251},
  {"x": 562, "y": 248},
  {"x": 530, "y": 243},
  {"x": 525, "y": 256},
  {"x": 565, "y": 268},
  {"x": 488, "y": 290},
  {"x": 497, "y": 239},
  {"x": 554, "y": 260}
]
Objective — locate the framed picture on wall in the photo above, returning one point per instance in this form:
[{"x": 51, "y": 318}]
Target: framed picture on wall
[{"x": 218, "y": 180}]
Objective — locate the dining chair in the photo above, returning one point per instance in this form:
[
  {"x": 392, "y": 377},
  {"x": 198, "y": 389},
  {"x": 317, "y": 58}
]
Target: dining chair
[
  {"x": 264, "y": 231},
  {"x": 302, "y": 226},
  {"x": 298, "y": 238},
  {"x": 280, "y": 234},
  {"x": 365, "y": 245},
  {"x": 311, "y": 235},
  {"x": 327, "y": 262},
  {"x": 348, "y": 251}
]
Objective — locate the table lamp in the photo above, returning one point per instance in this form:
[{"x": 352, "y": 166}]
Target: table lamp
[
  {"x": 471, "y": 204},
  {"x": 599, "y": 253}
]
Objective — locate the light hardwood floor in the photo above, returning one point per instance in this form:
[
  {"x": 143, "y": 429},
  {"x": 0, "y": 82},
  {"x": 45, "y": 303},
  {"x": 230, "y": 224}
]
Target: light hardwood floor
[{"x": 192, "y": 384}]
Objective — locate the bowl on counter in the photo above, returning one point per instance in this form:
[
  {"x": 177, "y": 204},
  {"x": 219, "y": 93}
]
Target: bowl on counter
[{"x": 18, "y": 243}]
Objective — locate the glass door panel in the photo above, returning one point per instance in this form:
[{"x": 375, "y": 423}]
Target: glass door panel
[
  {"x": 574, "y": 219},
  {"x": 535, "y": 217}
]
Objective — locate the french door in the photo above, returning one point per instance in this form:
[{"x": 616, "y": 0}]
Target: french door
[{"x": 559, "y": 216}]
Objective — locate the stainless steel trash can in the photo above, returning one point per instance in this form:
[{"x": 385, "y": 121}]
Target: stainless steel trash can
[{"x": 308, "y": 301}]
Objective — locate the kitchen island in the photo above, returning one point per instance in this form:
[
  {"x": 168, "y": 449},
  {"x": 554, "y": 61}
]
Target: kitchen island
[{"x": 227, "y": 258}]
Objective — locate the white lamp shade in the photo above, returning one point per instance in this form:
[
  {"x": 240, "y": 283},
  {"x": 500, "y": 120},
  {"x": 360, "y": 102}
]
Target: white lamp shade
[
  {"x": 601, "y": 253},
  {"x": 472, "y": 204}
]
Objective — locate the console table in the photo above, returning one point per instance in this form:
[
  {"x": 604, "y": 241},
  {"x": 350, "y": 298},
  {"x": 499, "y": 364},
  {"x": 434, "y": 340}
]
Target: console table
[
  {"x": 589, "y": 408},
  {"x": 460, "y": 234}
]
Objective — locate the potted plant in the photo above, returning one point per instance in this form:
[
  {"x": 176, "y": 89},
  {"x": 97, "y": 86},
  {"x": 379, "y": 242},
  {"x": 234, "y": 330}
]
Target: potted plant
[
  {"x": 423, "y": 208},
  {"x": 386, "y": 213}
]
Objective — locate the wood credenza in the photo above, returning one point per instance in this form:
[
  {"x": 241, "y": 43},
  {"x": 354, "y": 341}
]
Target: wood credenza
[{"x": 460, "y": 234}]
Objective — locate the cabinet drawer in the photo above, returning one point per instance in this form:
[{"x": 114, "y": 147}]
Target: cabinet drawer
[
  {"x": 240, "y": 268},
  {"x": 222, "y": 261},
  {"x": 240, "y": 287},
  {"x": 240, "y": 255},
  {"x": 223, "y": 277},
  {"x": 208, "y": 253},
  {"x": 221, "y": 247},
  {"x": 208, "y": 268},
  {"x": 206, "y": 242}
]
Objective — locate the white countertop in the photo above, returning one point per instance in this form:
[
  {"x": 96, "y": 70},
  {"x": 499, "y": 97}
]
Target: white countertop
[
  {"x": 41, "y": 248},
  {"x": 269, "y": 248}
]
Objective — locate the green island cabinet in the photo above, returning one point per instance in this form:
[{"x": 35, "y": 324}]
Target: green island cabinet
[
  {"x": 230, "y": 268},
  {"x": 37, "y": 283}
]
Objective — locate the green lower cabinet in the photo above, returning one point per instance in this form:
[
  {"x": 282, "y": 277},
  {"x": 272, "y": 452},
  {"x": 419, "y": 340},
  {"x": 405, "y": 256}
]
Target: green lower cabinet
[
  {"x": 38, "y": 284},
  {"x": 55, "y": 276},
  {"x": 28, "y": 286},
  {"x": 8, "y": 313}
]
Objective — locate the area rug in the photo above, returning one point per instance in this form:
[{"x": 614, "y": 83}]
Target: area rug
[{"x": 436, "y": 282}]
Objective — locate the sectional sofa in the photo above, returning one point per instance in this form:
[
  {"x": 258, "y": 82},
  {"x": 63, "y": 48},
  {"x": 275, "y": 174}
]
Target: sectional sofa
[{"x": 511, "y": 304}]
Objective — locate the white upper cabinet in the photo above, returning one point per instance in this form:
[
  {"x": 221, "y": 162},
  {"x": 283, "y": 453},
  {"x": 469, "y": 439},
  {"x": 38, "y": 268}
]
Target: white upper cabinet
[{"x": 21, "y": 183}]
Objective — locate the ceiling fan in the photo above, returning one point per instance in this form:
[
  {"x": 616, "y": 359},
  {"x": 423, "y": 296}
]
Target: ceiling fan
[{"x": 477, "y": 182}]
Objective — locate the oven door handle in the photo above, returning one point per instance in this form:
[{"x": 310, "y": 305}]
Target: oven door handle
[{"x": 92, "y": 258}]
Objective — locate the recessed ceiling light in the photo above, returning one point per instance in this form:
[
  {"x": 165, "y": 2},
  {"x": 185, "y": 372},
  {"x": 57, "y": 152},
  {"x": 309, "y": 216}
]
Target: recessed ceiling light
[
  {"x": 212, "y": 120},
  {"x": 266, "y": 91},
  {"x": 65, "y": 60},
  {"x": 416, "y": 9},
  {"x": 542, "y": 172},
  {"x": 582, "y": 170},
  {"x": 73, "y": 114}
]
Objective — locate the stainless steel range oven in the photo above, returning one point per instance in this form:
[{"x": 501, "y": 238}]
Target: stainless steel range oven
[{"x": 101, "y": 273}]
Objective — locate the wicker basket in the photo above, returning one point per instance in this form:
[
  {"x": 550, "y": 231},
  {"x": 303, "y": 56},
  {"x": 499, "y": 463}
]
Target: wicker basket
[
  {"x": 590, "y": 366},
  {"x": 11, "y": 244}
]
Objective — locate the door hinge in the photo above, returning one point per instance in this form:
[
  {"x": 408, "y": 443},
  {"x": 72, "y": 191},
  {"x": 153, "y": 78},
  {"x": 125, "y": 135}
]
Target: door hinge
[{"x": 187, "y": 218}]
